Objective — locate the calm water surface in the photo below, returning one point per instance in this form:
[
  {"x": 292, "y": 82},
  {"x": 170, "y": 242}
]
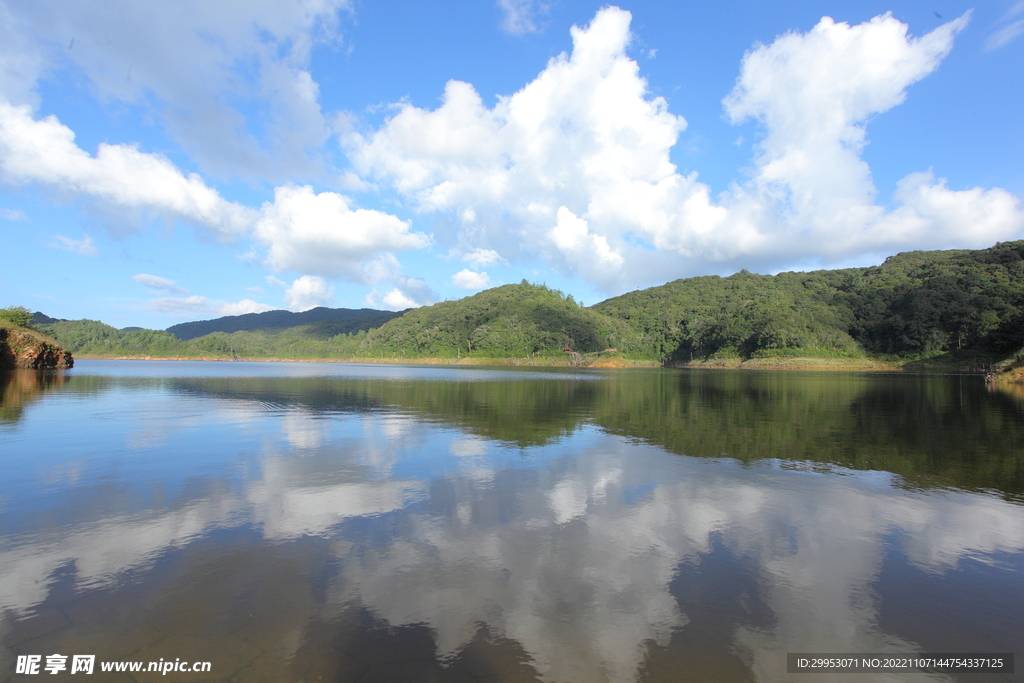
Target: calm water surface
[{"x": 308, "y": 522}]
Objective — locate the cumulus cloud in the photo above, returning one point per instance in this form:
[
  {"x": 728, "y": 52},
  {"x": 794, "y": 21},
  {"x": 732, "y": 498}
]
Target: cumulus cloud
[
  {"x": 83, "y": 246},
  {"x": 584, "y": 250},
  {"x": 319, "y": 234},
  {"x": 468, "y": 279},
  {"x": 203, "y": 65},
  {"x": 575, "y": 165},
  {"x": 44, "y": 152},
  {"x": 308, "y": 291},
  {"x": 814, "y": 93},
  {"x": 242, "y": 307},
  {"x": 409, "y": 292}
]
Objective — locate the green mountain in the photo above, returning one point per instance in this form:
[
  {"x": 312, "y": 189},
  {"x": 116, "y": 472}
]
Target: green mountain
[
  {"x": 914, "y": 304},
  {"x": 512, "y": 321},
  {"x": 963, "y": 306}
]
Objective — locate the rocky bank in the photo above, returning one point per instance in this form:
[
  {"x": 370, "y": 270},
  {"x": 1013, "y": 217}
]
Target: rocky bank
[{"x": 27, "y": 349}]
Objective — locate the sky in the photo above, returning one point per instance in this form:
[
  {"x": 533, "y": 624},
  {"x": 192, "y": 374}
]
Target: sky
[{"x": 163, "y": 162}]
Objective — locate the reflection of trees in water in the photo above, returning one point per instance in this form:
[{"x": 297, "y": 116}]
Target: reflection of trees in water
[
  {"x": 931, "y": 430},
  {"x": 18, "y": 388},
  {"x": 945, "y": 431},
  {"x": 525, "y": 413},
  {"x": 1015, "y": 391},
  {"x": 586, "y": 566}
]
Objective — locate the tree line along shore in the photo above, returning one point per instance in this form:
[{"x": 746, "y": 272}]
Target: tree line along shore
[{"x": 957, "y": 310}]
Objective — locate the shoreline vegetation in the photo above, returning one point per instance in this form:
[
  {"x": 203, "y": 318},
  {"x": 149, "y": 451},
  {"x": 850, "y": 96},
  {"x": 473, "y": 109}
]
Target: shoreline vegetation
[
  {"x": 809, "y": 364},
  {"x": 956, "y": 311}
]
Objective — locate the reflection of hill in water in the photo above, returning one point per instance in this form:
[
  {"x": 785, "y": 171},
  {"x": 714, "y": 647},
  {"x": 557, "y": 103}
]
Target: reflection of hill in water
[
  {"x": 18, "y": 388},
  {"x": 933, "y": 431},
  {"x": 525, "y": 413},
  {"x": 604, "y": 559},
  {"x": 1014, "y": 391}
]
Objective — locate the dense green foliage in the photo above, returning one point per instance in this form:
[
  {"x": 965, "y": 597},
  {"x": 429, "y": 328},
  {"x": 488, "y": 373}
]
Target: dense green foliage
[
  {"x": 332, "y": 321},
  {"x": 744, "y": 315},
  {"x": 915, "y": 305},
  {"x": 516, "y": 321},
  {"x": 16, "y": 315}
]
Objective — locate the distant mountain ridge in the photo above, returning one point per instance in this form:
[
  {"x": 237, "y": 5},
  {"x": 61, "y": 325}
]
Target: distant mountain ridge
[{"x": 357, "y": 319}]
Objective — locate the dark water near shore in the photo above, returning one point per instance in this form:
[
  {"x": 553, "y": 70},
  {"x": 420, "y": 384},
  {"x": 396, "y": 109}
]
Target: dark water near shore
[{"x": 308, "y": 522}]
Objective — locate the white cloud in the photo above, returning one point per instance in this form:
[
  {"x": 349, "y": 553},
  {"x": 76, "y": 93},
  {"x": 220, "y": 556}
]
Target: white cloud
[
  {"x": 1008, "y": 32},
  {"x": 814, "y": 94},
  {"x": 191, "y": 306},
  {"x": 519, "y": 17},
  {"x": 242, "y": 307},
  {"x": 44, "y": 152},
  {"x": 584, "y": 125},
  {"x": 576, "y": 163},
  {"x": 319, "y": 234},
  {"x": 196, "y": 304},
  {"x": 1005, "y": 35},
  {"x": 180, "y": 307},
  {"x": 12, "y": 214},
  {"x": 414, "y": 289},
  {"x": 409, "y": 292},
  {"x": 203, "y": 65},
  {"x": 271, "y": 280},
  {"x": 396, "y": 300},
  {"x": 468, "y": 279},
  {"x": 585, "y": 251},
  {"x": 83, "y": 246},
  {"x": 482, "y": 257},
  {"x": 310, "y": 233},
  {"x": 160, "y": 283},
  {"x": 308, "y": 292}
]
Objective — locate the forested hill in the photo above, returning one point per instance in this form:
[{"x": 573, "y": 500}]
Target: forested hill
[
  {"x": 511, "y": 321},
  {"x": 336, "y": 320},
  {"x": 914, "y": 304},
  {"x": 961, "y": 305}
]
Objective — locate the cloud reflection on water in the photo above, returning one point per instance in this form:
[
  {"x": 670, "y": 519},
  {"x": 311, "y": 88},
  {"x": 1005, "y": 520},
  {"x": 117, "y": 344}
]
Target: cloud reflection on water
[{"x": 571, "y": 552}]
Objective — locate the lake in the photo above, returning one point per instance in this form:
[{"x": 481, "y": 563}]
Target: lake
[{"x": 332, "y": 522}]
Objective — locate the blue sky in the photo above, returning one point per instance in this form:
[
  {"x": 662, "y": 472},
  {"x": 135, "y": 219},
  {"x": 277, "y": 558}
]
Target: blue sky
[{"x": 164, "y": 162}]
